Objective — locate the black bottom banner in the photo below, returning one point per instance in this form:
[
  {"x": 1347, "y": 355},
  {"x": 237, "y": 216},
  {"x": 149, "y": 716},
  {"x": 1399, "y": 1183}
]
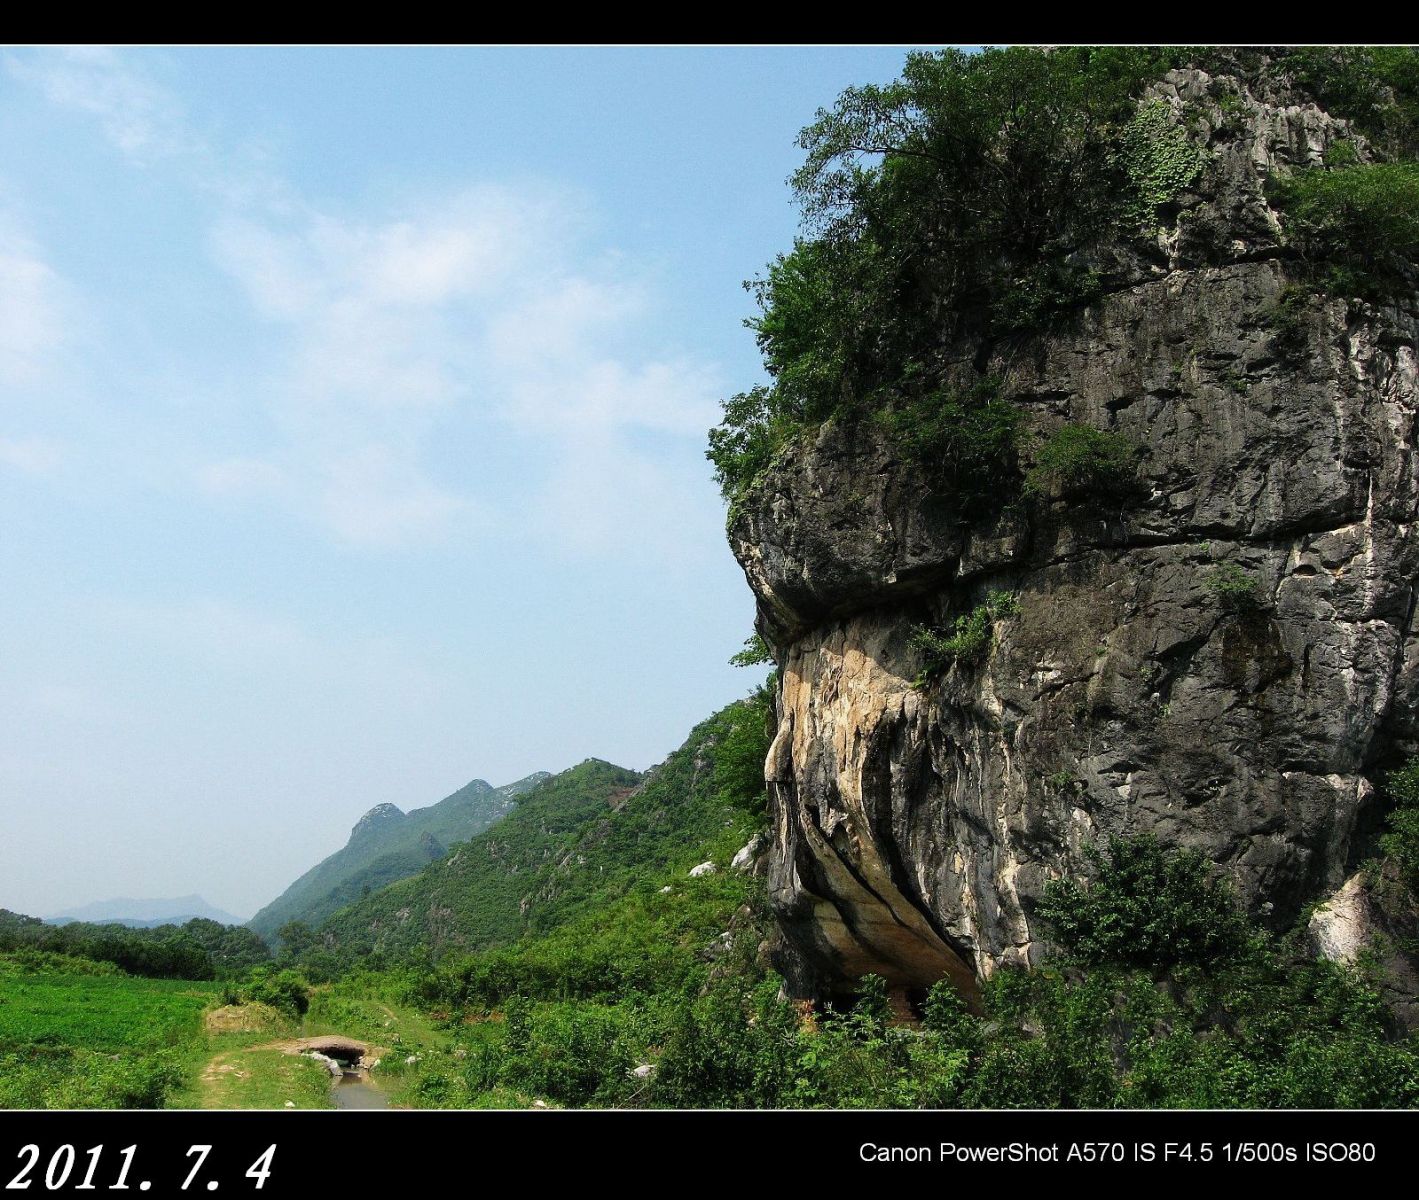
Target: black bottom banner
[{"x": 238, "y": 1154}]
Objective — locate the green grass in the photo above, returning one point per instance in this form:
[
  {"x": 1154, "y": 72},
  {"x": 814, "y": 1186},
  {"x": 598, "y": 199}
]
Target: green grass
[
  {"x": 101, "y": 1012},
  {"x": 262, "y": 1077},
  {"x": 73, "y": 1035}
]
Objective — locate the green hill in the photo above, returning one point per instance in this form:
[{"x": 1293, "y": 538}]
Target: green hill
[
  {"x": 387, "y": 844},
  {"x": 577, "y": 842}
]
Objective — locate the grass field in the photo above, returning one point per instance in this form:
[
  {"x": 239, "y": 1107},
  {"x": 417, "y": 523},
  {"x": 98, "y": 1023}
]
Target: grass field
[
  {"x": 75, "y": 1037},
  {"x": 75, "y": 1034},
  {"x": 101, "y": 1012}
]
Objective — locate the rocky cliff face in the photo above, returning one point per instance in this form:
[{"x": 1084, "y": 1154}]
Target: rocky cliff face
[{"x": 914, "y": 828}]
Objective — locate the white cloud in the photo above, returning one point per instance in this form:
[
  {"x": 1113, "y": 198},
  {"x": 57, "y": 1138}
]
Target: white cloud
[
  {"x": 240, "y": 478},
  {"x": 482, "y": 313},
  {"x": 482, "y": 308},
  {"x": 31, "y": 455},
  {"x": 32, "y": 303},
  {"x": 379, "y": 498},
  {"x": 141, "y": 119}
]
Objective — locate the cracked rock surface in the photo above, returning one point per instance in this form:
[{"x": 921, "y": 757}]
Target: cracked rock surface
[{"x": 915, "y": 828}]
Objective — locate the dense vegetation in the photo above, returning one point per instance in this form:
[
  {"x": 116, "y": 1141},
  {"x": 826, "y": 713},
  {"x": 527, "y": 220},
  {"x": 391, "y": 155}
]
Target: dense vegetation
[
  {"x": 960, "y": 202},
  {"x": 76, "y": 1034},
  {"x": 198, "y": 949},
  {"x": 1165, "y": 995},
  {"x": 968, "y": 641},
  {"x": 651, "y": 993},
  {"x": 1400, "y": 842}
]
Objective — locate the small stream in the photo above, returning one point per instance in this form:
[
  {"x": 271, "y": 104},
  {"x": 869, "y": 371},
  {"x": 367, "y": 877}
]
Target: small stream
[{"x": 353, "y": 1089}]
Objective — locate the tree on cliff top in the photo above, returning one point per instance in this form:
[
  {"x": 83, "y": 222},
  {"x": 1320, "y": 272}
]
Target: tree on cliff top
[{"x": 972, "y": 198}]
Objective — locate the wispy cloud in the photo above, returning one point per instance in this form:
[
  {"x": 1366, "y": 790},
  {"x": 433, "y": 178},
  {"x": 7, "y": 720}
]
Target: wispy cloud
[
  {"x": 141, "y": 119},
  {"x": 489, "y": 310},
  {"x": 484, "y": 306},
  {"x": 32, "y": 304},
  {"x": 30, "y": 455}
]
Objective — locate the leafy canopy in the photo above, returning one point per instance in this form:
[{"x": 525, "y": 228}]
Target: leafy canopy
[{"x": 963, "y": 199}]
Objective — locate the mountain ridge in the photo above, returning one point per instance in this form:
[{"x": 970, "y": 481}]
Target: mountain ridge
[{"x": 387, "y": 844}]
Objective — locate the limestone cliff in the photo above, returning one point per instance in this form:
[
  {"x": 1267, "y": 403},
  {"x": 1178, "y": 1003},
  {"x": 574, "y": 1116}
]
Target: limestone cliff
[{"x": 915, "y": 827}]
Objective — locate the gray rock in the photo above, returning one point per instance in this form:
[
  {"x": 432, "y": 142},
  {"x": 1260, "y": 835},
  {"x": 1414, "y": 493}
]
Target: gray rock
[
  {"x": 745, "y": 858},
  {"x": 914, "y": 829},
  {"x": 705, "y": 868}
]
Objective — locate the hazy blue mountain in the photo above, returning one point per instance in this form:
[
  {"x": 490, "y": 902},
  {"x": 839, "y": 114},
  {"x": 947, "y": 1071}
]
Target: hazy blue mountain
[
  {"x": 388, "y": 844},
  {"x": 141, "y": 914}
]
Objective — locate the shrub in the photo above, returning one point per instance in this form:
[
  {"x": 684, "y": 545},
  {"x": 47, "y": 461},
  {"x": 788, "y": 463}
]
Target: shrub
[
  {"x": 286, "y": 990},
  {"x": 910, "y": 245},
  {"x": 572, "y": 1053},
  {"x": 1375, "y": 87},
  {"x": 755, "y": 653},
  {"x": 1159, "y": 158},
  {"x": 726, "y": 1050},
  {"x": 970, "y": 639},
  {"x": 751, "y": 431},
  {"x": 965, "y": 439},
  {"x": 742, "y": 747},
  {"x": 1144, "y": 907},
  {"x": 1290, "y": 318},
  {"x": 1357, "y": 227},
  {"x": 1401, "y": 841},
  {"x": 1234, "y": 589},
  {"x": 1079, "y": 462}
]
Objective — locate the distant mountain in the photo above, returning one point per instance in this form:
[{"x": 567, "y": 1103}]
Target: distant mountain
[
  {"x": 387, "y": 844},
  {"x": 143, "y": 914},
  {"x": 569, "y": 849}
]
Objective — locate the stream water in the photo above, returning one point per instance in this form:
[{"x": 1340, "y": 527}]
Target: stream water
[{"x": 353, "y": 1089}]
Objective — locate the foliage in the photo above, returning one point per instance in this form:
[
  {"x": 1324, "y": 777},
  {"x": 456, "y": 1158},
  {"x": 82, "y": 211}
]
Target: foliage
[
  {"x": 1234, "y": 589},
  {"x": 752, "y": 429},
  {"x": 1158, "y": 157},
  {"x": 1079, "y": 462},
  {"x": 1357, "y": 227},
  {"x": 977, "y": 197},
  {"x": 1290, "y": 318},
  {"x": 281, "y": 988},
  {"x": 1144, "y": 907},
  {"x": 579, "y": 841},
  {"x": 966, "y": 200},
  {"x": 162, "y": 952},
  {"x": 47, "y": 962},
  {"x": 1401, "y": 840},
  {"x": 969, "y": 640},
  {"x": 77, "y": 1034},
  {"x": 232, "y": 948},
  {"x": 1376, "y": 87},
  {"x": 742, "y": 746},
  {"x": 756, "y": 652},
  {"x": 67, "y": 1077},
  {"x": 965, "y": 439},
  {"x": 648, "y": 941},
  {"x": 473, "y": 896}
]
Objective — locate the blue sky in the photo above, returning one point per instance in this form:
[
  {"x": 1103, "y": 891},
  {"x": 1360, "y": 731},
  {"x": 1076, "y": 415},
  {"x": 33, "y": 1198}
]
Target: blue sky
[{"x": 352, "y": 415}]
